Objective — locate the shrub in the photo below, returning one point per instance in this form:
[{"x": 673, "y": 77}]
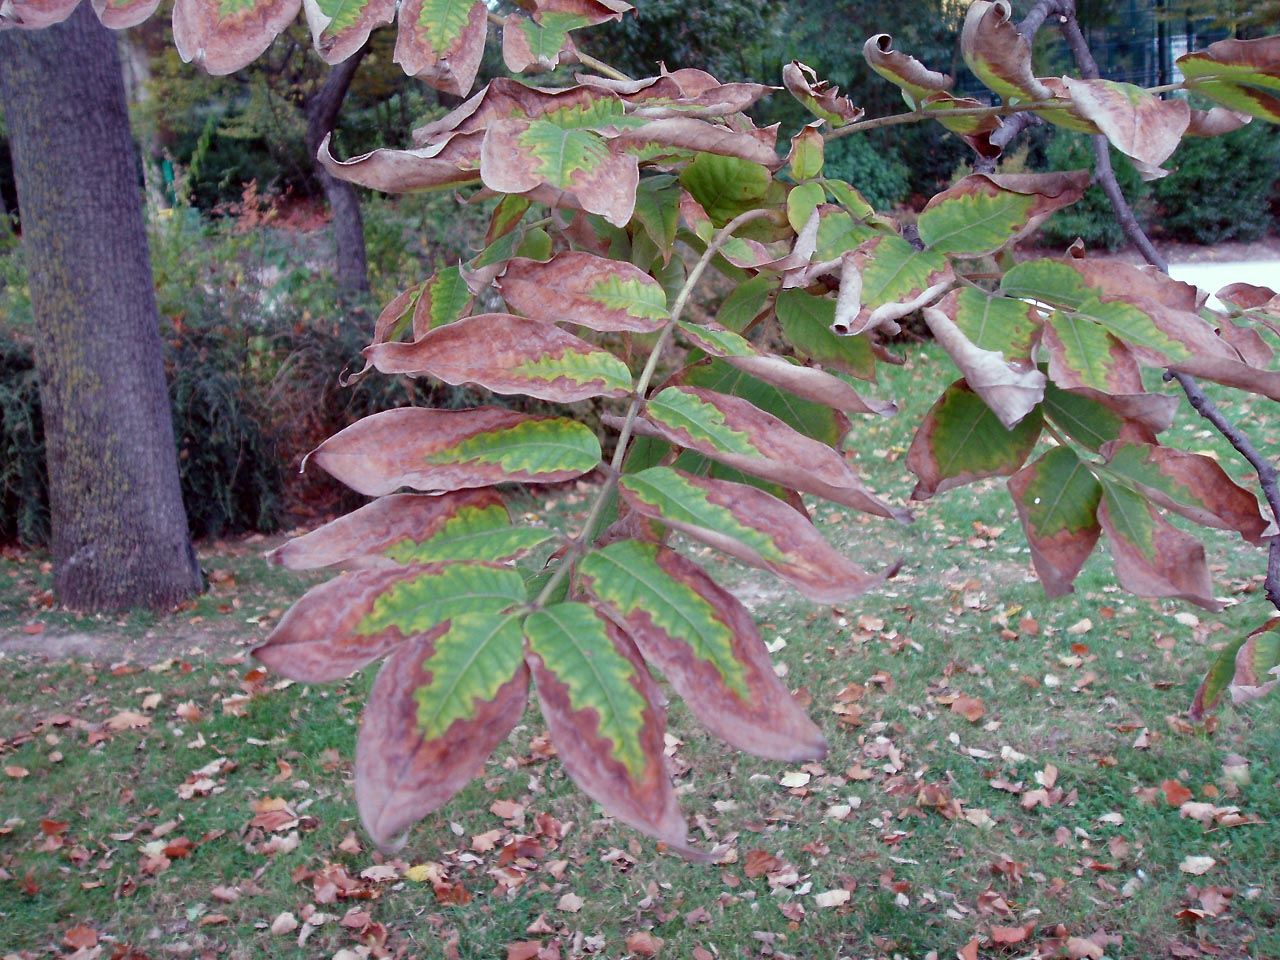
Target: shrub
[
  {"x": 24, "y": 483},
  {"x": 1220, "y": 186},
  {"x": 876, "y": 170}
]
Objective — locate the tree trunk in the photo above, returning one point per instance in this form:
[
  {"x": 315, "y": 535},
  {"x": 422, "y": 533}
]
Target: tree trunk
[
  {"x": 119, "y": 529},
  {"x": 348, "y": 227}
]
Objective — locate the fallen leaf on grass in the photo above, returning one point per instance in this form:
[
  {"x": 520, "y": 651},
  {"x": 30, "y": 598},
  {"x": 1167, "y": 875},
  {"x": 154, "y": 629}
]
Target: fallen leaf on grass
[
  {"x": 1082, "y": 948},
  {"x": 1197, "y": 865},
  {"x": 127, "y": 720},
  {"x": 1005, "y": 935},
  {"x": 284, "y": 923},
  {"x": 644, "y": 943},
  {"x": 80, "y": 937},
  {"x": 831, "y": 898},
  {"x": 1175, "y": 793},
  {"x": 971, "y": 708},
  {"x": 570, "y": 903},
  {"x": 17, "y": 772}
]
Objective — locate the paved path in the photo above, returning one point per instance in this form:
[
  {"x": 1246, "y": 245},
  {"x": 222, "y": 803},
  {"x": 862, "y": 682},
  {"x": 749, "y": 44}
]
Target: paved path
[{"x": 1213, "y": 277}]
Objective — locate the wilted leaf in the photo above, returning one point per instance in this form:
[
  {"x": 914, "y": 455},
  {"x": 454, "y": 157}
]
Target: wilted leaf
[
  {"x": 739, "y": 434},
  {"x": 1011, "y": 389},
  {"x": 1257, "y": 664},
  {"x": 984, "y": 212},
  {"x": 35, "y": 14},
  {"x": 510, "y": 355},
  {"x": 1196, "y": 865},
  {"x": 455, "y": 449},
  {"x": 894, "y": 279},
  {"x": 806, "y": 321},
  {"x": 224, "y": 35},
  {"x": 538, "y": 45},
  {"x": 604, "y": 713},
  {"x": 707, "y": 645},
  {"x": 1011, "y": 327},
  {"x": 915, "y": 79},
  {"x": 348, "y": 622},
  {"x": 587, "y": 290},
  {"x": 748, "y": 524},
  {"x": 439, "y": 706},
  {"x": 397, "y": 521},
  {"x": 340, "y": 27},
  {"x": 119, "y": 14},
  {"x": 1152, "y": 557},
  {"x": 561, "y": 165},
  {"x": 1093, "y": 418},
  {"x": 818, "y": 96},
  {"x": 1189, "y": 484},
  {"x": 1140, "y": 125},
  {"x": 1057, "y": 499},
  {"x": 962, "y": 440},
  {"x": 808, "y": 383},
  {"x": 1241, "y": 74},
  {"x": 451, "y": 163},
  {"x": 442, "y": 42},
  {"x": 997, "y": 54}
]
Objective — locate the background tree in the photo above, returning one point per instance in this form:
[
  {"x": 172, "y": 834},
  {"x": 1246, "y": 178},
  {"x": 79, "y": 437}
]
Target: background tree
[{"x": 119, "y": 533}]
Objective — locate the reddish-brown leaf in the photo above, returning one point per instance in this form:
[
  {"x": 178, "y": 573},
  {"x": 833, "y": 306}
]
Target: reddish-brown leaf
[
  {"x": 370, "y": 530},
  {"x": 449, "y": 63},
  {"x": 580, "y": 288},
  {"x": 223, "y": 38},
  {"x": 401, "y": 776},
  {"x": 434, "y": 450}
]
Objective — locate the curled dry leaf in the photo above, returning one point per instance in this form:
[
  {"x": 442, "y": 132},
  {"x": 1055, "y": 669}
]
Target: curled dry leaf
[
  {"x": 35, "y": 14},
  {"x": 1140, "y": 125},
  {"x": 916, "y": 80},
  {"x": 818, "y": 96},
  {"x": 997, "y": 54},
  {"x": 339, "y": 30},
  {"x": 122, "y": 13}
]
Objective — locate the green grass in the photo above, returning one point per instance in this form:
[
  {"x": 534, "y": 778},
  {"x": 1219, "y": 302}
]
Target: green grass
[{"x": 912, "y": 811}]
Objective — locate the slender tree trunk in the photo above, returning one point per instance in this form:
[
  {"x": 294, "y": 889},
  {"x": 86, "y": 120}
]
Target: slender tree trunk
[
  {"x": 344, "y": 204},
  {"x": 119, "y": 529}
]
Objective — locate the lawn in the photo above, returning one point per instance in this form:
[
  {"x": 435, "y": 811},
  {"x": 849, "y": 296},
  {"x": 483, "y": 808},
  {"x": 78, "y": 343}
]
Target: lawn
[{"x": 1009, "y": 776}]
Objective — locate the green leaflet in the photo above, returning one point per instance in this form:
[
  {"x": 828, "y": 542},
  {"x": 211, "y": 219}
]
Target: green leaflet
[
  {"x": 507, "y": 215},
  {"x": 418, "y": 604},
  {"x": 547, "y": 39},
  {"x": 802, "y": 200},
  {"x": 962, "y": 440},
  {"x": 443, "y": 22},
  {"x": 1129, "y": 463},
  {"x": 603, "y": 111},
  {"x": 806, "y": 321},
  {"x": 535, "y": 446},
  {"x": 721, "y": 343},
  {"x": 625, "y": 575},
  {"x": 558, "y": 155},
  {"x": 473, "y": 533},
  {"x": 469, "y": 663},
  {"x": 572, "y": 641},
  {"x": 849, "y": 198},
  {"x": 725, "y": 186},
  {"x": 1049, "y": 281},
  {"x": 1241, "y": 74},
  {"x": 1081, "y": 418},
  {"x": 1086, "y": 350},
  {"x": 228, "y": 9},
  {"x": 975, "y": 223},
  {"x": 702, "y": 421},
  {"x": 658, "y": 210},
  {"x": 634, "y": 297},
  {"x": 678, "y": 500},
  {"x": 746, "y": 302},
  {"x": 1062, "y": 497},
  {"x": 1132, "y": 519},
  {"x": 839, "y": 232},
  {"x": 997, "y": 323},
  {"x": 812, "y": 419},
  {"x": 343, "y": 14},
  {"x": 446, "y": 297},
  {"x": 1217, "y": 679},
  {"x": 598, "y": 366},
  {"x": 898, "y": 271},
  {"x": 1131, "y": 324}
]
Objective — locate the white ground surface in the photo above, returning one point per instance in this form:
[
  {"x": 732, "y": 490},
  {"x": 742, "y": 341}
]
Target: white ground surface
[{"x": 1213, "y": 276}]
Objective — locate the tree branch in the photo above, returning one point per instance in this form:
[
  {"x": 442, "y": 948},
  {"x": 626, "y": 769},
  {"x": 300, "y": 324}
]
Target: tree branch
[{"x": 1105, "y": 176}]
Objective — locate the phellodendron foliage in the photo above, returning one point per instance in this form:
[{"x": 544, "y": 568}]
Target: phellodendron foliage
[{"x": 616, "y": 196}]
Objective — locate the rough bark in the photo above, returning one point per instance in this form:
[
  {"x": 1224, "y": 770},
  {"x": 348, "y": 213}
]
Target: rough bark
[
  {"x": 344, "y": 204},
  {"x": 119, "y": 530}
]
